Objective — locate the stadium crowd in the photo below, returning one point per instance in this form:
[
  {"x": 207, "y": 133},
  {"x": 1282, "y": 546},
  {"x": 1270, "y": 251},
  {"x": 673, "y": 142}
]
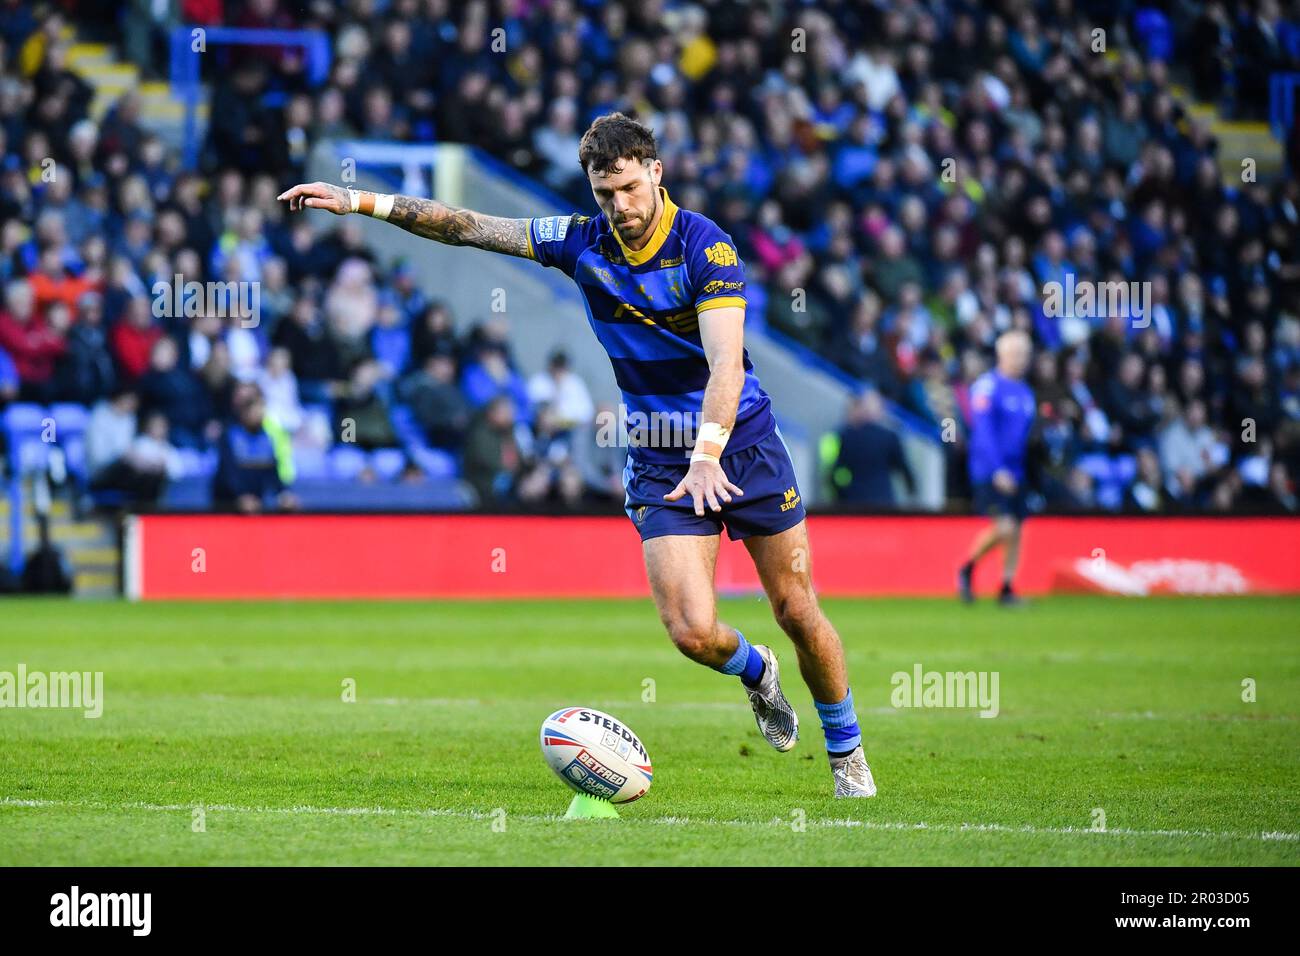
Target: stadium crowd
[{"x": 902, "y": 180}]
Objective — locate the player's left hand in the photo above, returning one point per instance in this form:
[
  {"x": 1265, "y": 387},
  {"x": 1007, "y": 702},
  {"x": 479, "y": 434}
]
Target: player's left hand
[
  {"x": 705, "y": 482},
  {"x": 317, "y": 196}
]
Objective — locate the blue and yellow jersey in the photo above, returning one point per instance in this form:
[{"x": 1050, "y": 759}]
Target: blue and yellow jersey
[{"x": 644, "y": 306}]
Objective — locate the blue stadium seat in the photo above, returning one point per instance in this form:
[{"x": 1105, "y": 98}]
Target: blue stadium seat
[
  {"x": 74, "y": 450},
  {"x": 23, "y": 423},
  {"x": 434, "y": 462},
  {"x": 23, "y": 417},
  {"x": 191, "y": 461},
  {"x": 1110, "y": 495},
  {"x": 329, "y": 494},
  {"x": 1097, "y": 466},
  {"x": 388, "y": 463},
  {"x": 1125, "y": 468},
  {"x": 346, "y": 461},
  {"x": 407, "y": 428},
  {"x": 319, "y": 408},
  {"x": 69, "y": 419},
  {"x": 193, "y": 492},
  {"x": 310, "y": 463}
]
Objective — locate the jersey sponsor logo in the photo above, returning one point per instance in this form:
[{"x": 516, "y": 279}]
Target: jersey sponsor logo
[
  {"x": 719, "y": 285},
  {"x": 669, "y": 263},
  {"x": 553, "y": 228},
  {"x": 791, "y": 499},
  {"x": 603, "y": 274},
  {"x": 721, "y": 254}
]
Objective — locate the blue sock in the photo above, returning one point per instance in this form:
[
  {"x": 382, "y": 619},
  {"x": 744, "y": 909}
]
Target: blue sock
[
  {"x": 840, "y": 725},
  {"x": 746, "y": 663}
]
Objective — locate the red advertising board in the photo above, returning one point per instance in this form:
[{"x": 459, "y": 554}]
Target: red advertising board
[{"x": 484, "y": 556}]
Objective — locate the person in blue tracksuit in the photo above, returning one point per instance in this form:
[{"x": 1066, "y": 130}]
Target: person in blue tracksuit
[{"x": 1002, "y": 414}]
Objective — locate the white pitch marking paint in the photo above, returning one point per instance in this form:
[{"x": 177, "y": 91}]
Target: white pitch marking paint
[{"x": 778, "y": 823}]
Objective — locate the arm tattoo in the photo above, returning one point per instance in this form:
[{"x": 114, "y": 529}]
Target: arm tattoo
[{"x": 460, "y": 227}]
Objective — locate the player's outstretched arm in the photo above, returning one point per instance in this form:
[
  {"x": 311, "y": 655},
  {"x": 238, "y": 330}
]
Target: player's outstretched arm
[{"x": 423, "y": 217}]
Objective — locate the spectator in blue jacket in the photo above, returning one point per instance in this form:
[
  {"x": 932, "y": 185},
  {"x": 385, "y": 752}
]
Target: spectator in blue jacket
[{"x": 255, "y": 459}]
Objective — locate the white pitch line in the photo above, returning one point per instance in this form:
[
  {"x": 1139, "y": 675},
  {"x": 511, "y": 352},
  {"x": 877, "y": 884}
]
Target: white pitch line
[
  {"x": 728, "y": 706},
  {"x": 1266, "y": 836},
  {"x": 476, "y": 702}
]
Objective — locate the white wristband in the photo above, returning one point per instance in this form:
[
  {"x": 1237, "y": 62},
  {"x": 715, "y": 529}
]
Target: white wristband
[
  {"x": 377, "y": 205},
  {"x": 704, "y": 456},
  {"x": 713, "y": 432}
]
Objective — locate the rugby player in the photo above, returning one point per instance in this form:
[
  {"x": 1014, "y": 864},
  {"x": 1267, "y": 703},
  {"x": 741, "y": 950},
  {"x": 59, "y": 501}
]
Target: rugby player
[{"x": 665, "y": 295}]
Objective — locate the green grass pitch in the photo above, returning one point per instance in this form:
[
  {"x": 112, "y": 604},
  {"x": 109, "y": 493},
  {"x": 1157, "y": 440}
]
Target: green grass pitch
[{"x": 225, "y": 738}]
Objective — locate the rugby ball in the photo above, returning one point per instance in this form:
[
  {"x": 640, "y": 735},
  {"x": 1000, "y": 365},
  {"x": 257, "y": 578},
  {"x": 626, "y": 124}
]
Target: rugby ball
[{"x": 596, "y": 754}]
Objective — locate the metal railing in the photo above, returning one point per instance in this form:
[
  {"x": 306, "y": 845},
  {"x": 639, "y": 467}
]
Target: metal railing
[
  {"x": 188, "y": 43},
  {"x": 1281, "y": 103}
]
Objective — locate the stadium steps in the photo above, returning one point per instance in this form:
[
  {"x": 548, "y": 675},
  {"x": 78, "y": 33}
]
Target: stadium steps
[
  {"x": 160, "y": 112},
  {"x": 89, "y": 545},
  {"x": 1238, "y": 140},
  {"x": 95, "y": 584}
]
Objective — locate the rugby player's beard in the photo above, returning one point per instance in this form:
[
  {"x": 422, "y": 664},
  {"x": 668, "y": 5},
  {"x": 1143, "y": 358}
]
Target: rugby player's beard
[{"x": 645, "y": 227}]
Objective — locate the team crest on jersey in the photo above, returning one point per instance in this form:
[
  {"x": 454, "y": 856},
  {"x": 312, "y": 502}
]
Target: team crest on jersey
[
  {"x": 611, "y": 253},
  {"x": 721, "y": 254},
  {"x": 553, "y": 228}
]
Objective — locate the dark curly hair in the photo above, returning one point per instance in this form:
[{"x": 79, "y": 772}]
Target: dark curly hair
[{"x": 614, "y": 137}]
